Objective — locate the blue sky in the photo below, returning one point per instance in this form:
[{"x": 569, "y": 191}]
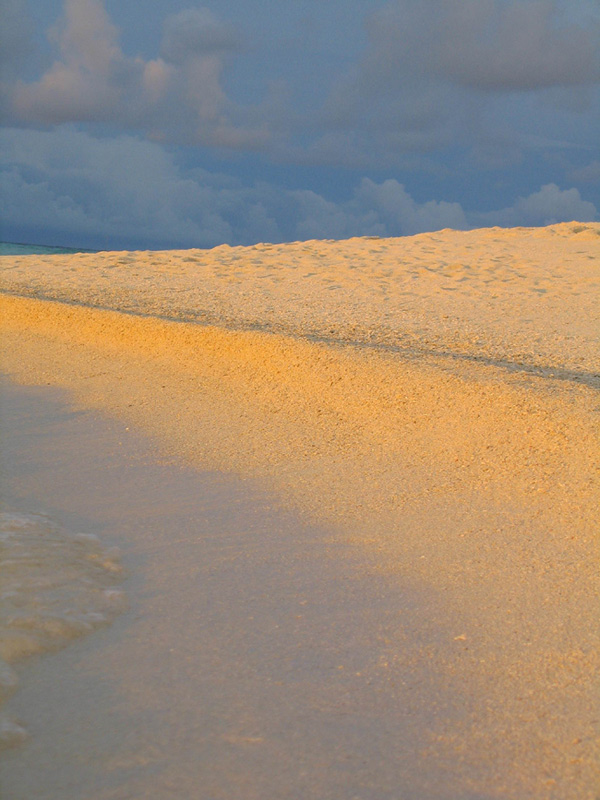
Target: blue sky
[{"x": 146, "y": 123}]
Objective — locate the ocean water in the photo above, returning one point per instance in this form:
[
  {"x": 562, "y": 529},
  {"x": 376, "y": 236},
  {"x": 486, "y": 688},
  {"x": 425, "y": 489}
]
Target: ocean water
[
  {"x": 57, "y": 585},
  {"x": 20, "y": 249}
]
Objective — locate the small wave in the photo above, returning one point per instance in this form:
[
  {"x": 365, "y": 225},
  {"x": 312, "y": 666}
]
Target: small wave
[{"x": 56, "y": 586}]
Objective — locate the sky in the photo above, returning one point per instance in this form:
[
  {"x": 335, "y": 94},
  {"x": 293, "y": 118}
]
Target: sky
[{"x": 148, "y": 124}]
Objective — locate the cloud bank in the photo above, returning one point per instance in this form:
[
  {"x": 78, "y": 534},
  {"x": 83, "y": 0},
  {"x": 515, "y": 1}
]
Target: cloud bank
[{"x": 130, "y": 193}]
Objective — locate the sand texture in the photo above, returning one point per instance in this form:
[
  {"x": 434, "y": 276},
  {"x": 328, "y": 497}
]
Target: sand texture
[
  {"x": 432, "y": 400},
  {"x": 526, "y": 295}
]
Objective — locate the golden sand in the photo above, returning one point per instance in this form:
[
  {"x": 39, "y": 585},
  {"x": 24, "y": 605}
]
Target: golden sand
[
  {"x": 435, "y": 398},
  {"x": 526, "y": 294}
]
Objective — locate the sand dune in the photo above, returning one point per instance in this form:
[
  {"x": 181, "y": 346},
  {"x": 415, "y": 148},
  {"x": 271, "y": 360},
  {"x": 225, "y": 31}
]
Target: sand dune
[{"x": 433, "y": 398}]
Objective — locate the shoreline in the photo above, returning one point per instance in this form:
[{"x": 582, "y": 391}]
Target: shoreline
[{"x": 256, "y": 653}]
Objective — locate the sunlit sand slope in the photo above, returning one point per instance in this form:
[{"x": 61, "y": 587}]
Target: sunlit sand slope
[
  {"x": 462, "y": 446},
  {"x": 525, "y": 294}
]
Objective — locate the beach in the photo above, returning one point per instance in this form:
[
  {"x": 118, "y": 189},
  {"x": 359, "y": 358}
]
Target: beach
[{"x": 389, "y": 449}]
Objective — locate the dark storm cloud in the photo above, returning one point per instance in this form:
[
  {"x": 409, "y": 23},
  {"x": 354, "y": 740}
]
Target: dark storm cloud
[
  {"x": 126, "y": 192},
  {"x": 435, "y": 73},
  {"x": 195, "y": 33},
  {"x": 590, "y": 173},
  {"x": 15, "y": 37},
  {"x": 489, "y": 45},
  {"x": 68, "y": 180}
]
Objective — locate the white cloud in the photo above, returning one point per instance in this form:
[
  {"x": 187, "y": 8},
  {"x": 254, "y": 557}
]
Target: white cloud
[
  {"x": 398, "y": 211},
  {"x": 83, "y": 84},
  {"x": 546, "y": 207},
  {"x": 177, "y": 96}
]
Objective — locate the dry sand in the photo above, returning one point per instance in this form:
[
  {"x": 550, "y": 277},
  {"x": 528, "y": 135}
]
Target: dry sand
[{"x": 432, "y": 399}]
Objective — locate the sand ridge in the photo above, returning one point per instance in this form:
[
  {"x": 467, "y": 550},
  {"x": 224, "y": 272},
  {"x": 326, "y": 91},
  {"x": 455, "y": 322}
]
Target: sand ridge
[
  {"x": 526, "y": 295},
  {"x": 478, "y": 480}
]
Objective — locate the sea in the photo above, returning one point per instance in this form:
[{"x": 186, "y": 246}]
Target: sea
[{"x": 22, "y": 249}]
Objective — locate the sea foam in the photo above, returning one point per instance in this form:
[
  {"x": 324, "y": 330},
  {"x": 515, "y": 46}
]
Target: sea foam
[{"x": 56, "y": 586}]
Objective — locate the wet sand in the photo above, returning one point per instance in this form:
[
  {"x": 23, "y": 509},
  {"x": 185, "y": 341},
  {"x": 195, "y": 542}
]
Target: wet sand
[
  {"x": 259, "y": 657},
  {"x": 450, "y": 454}
]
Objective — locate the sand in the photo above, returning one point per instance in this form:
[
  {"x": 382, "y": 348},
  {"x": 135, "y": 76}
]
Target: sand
[
  {"x": 431, "y": 401},
  {"x": 527, "y": 294},
  {"x": 259, "y": 656}
]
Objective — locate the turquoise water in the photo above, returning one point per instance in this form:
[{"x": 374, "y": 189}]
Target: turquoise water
[{"x": 19, "y": 249}]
